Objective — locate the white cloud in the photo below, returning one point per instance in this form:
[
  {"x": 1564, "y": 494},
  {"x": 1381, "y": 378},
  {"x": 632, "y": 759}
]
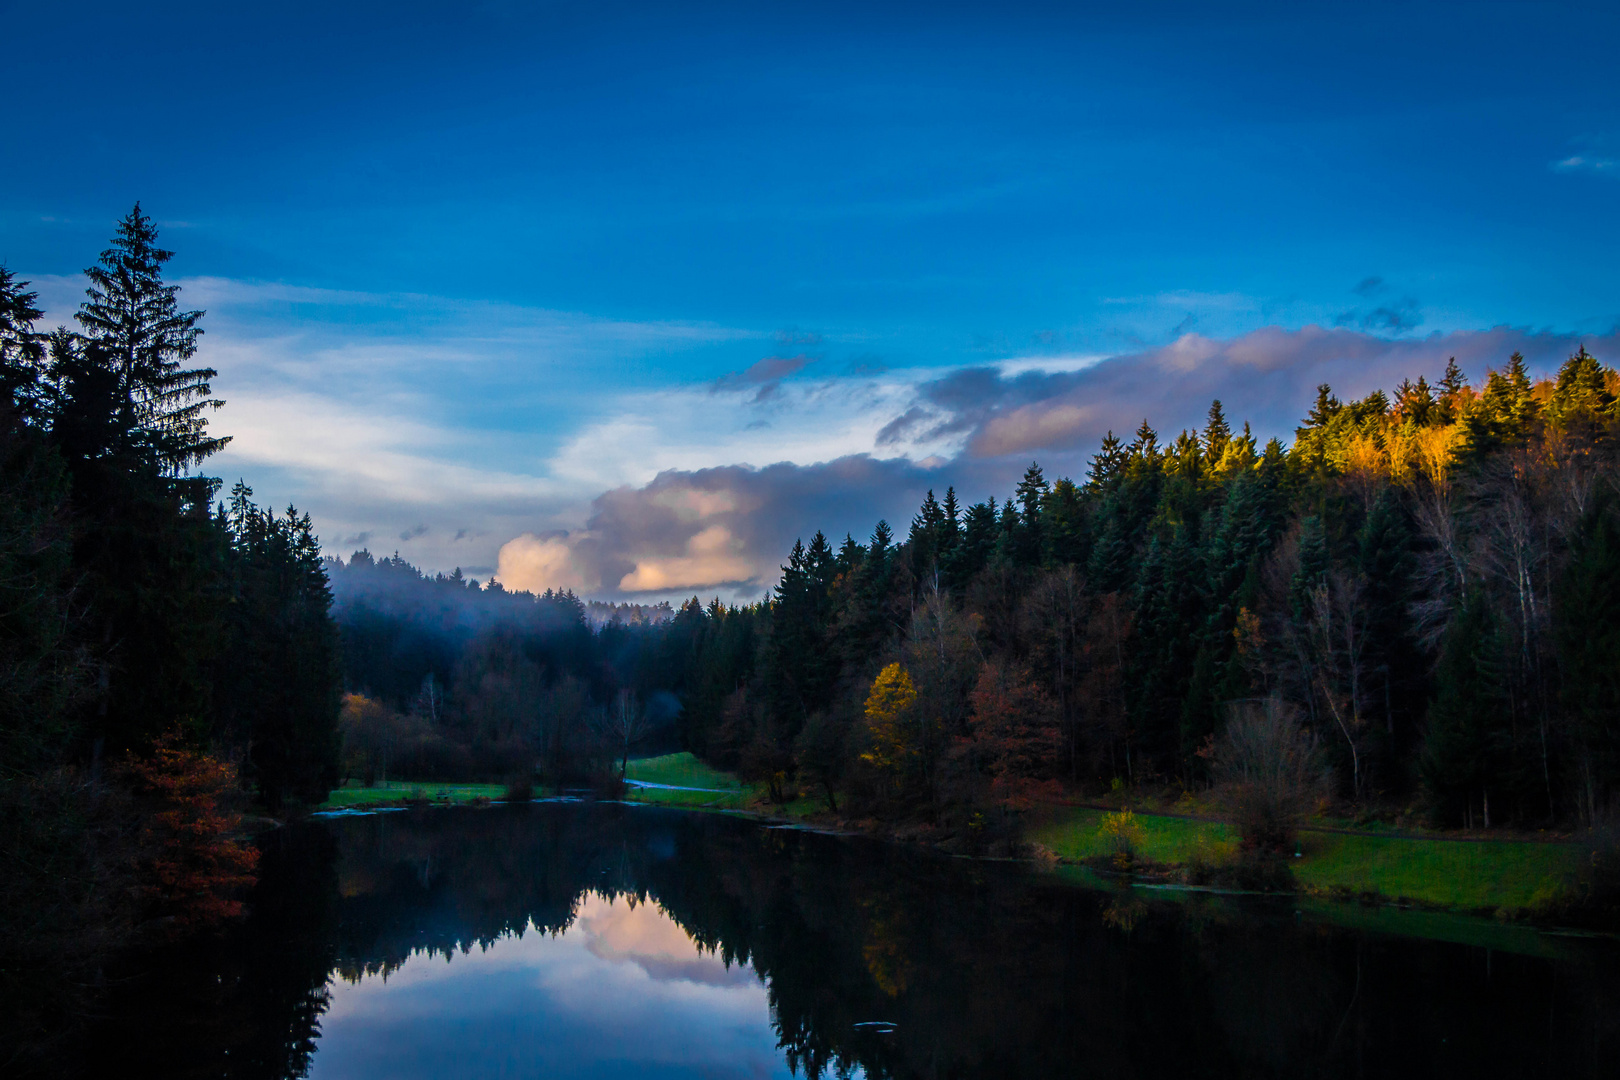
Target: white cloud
[
  {"x": 693, "y": 427},
  {"x": 1019, "y": 365}
]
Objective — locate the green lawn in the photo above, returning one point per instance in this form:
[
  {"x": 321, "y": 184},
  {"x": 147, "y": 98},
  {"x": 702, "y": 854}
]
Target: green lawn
[
  {"x": 678, "y": 770},
  {"x": 1465, "y": 875},
  {"x": 718, "y": 790},
  {"x": 395, "y": 791},
  {"x": 681, "y": 770},
  {"x": 1453, "y": 873},
  {"x": 1077, "y": 834}
]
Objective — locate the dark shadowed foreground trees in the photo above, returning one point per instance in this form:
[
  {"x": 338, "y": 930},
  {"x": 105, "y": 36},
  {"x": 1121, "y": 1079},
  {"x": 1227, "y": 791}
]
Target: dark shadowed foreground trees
[{"x": 156, "y": 654}]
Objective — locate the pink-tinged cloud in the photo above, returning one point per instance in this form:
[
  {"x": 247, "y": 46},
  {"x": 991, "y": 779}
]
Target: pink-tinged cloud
[
  {"x": 1268, "y": 376},
  {"x": 726, "y": 529}
]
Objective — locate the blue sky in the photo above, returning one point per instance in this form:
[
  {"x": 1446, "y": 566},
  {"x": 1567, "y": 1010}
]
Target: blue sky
[{"x": 484, "y": 272}]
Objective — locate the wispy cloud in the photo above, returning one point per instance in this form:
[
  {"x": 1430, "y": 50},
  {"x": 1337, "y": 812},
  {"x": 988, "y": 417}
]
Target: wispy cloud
[
  {"x": 1588, "y": 163},
  {"x": 763, "y": 377}
]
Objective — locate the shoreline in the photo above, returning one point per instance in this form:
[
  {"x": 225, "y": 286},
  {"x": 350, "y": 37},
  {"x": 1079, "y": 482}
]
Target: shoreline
[{"x": 1513, "y": 878}]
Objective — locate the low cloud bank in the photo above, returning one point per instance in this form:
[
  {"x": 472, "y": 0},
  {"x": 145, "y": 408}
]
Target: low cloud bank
[{"x": 725, "y": 529}]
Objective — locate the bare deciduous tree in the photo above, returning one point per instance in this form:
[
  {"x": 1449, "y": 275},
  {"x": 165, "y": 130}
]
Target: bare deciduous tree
[{"x": 1269, "y": 770}]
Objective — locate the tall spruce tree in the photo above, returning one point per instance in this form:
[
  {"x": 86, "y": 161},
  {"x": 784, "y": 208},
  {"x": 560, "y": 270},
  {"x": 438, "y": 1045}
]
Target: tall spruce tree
[
  {"x": 1028, "y": 537},
  {"x": 128, "y": 421},
  {"x": 132, "y": 322}
]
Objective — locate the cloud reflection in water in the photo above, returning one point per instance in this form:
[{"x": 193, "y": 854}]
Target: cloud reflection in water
[{"x": 624, "y": 992}]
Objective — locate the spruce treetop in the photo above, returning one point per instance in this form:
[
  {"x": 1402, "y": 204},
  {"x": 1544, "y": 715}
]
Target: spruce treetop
[{"x": 131, "y": 320}]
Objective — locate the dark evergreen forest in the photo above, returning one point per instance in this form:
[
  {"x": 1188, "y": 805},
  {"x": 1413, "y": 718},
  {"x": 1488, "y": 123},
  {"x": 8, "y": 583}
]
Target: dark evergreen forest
[
  {"x": 1425, "y": 580},
  {"x": 159, "y": 648}
]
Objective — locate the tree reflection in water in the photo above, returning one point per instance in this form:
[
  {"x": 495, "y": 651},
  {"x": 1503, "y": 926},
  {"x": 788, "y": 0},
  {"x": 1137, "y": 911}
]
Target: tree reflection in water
[{"x": 983, "y": 970}]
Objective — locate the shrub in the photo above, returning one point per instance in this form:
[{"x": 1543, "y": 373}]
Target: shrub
[
  {"x": 1122, "y": 834},
  {"x": 520, "y": 788},
  {"x": 192, "y": 861},
  {"x": 1269, "y": 773}
]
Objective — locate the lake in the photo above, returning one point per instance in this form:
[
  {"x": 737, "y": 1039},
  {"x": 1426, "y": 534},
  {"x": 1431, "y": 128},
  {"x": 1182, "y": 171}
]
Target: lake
[{"x": 605, "y": 940}]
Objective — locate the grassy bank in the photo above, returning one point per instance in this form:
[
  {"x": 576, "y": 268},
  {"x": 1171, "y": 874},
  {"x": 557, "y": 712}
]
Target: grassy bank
[
  {"x": 394, "y": 792},
  {"x": 1466, "y": 875},
  {"x": 688, "y": 782}
]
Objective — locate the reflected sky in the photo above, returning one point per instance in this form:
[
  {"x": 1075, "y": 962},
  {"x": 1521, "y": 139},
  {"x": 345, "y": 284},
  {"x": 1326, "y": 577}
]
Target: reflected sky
[{"x": 624, "y": 992}]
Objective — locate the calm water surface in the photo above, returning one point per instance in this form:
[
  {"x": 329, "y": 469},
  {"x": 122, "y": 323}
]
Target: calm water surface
[{"x": 573, "y": 940}]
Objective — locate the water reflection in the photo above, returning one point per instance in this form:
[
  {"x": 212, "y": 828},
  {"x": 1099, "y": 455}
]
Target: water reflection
[
  {"x": 610, "y": 940},
  {"x": 624, "y": 991}
]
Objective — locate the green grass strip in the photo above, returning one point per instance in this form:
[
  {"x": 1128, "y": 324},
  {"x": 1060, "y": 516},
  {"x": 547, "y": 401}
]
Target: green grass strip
[{"x": 1465, "y": 875}]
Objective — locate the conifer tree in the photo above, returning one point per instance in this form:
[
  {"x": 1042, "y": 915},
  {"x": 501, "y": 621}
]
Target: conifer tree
[
  {"x": 1415, "y": 401},
  {"x": 1108, "y": 466},
  {"x": 22, "y": 349},
  {"x": 1145, "y": 447},
  {"x": 1453, "y": 381},
  {"x": 924, "y": 540},
  {"x": 132, "y": 323},
  {"x": 279, "y": 684},
  {"x": 1064, "y": 525},
  {"x": 1217, "y": 433},
  {"x": 980, "y": 530},
  {"x": 1325, "y": 408},
  {"x": 1028, "y": 543},
  {"x": 1452, "y": 384},
  {"x": 1580, "y": 393},
  {"x": 128, "y": 419},
  {"x": 951, "y": 525}
]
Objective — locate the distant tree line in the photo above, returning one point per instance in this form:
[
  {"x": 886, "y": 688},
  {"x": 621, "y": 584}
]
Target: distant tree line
[
  {"x": 1430, "y": 579},
  {"x": 450, "y": 680}
]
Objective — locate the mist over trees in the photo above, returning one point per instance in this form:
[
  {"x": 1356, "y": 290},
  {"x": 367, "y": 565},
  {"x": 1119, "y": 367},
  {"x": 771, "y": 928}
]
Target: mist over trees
[
  {"x": 450, "y": 680},
  {"x": 1428, "y": 579}
]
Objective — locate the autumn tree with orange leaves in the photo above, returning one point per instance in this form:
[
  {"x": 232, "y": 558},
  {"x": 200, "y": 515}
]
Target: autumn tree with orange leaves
[
  {"x": 193, "y": 860},
  {"x": 1016, "y": 734}
]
